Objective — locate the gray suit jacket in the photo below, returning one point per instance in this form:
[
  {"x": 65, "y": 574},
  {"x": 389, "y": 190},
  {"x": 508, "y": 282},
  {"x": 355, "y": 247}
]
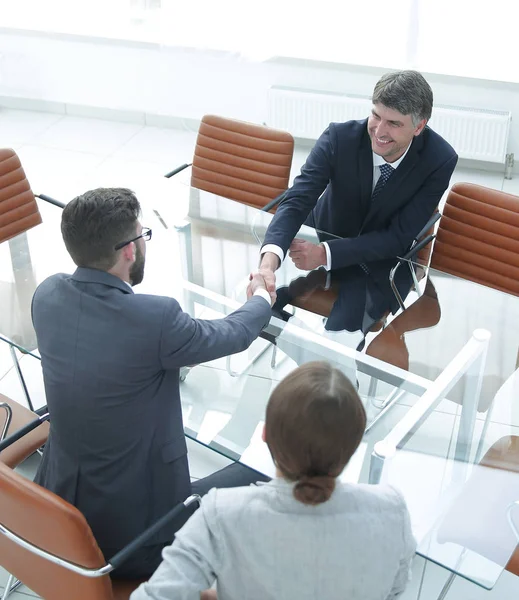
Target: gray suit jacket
[
  {"x": 260, "y": 543},
  {"x": 111, "y": 362}
]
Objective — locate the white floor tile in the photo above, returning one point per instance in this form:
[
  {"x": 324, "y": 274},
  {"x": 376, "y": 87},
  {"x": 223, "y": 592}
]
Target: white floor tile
[
  {"x": 94, "y": 136},
  {"x": 511, "y": 186},
  {"x": 165, "y": 146},
  {"x": 22, "y": 126},
  {"x": 489, "y": 179},
  {"x": 57, "y": 172}
]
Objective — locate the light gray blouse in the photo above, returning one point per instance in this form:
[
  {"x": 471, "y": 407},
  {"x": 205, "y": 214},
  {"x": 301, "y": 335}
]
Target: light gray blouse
[{"x": 260, "y": 543}]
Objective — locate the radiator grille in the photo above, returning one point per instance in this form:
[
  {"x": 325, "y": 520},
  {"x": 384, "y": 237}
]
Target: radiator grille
[{"x": 474, "y": 133}]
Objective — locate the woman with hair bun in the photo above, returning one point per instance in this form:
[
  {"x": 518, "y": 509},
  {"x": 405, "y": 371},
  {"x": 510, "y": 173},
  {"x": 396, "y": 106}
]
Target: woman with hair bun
[{"x": 304, "y": 535}]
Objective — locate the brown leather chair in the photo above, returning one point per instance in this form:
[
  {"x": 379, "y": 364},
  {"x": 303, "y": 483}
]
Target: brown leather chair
[
  {"x": 242, "y": 161},
  {"x": 18, "y": 209},
  {"x": 16, "y": 417},
  {"x": 478, "y": 237},
  {"x": 478, "y": 520},
  {"x": 47, "y": 544}
]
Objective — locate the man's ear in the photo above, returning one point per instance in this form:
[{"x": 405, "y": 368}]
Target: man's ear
[
  {"x": 264, "y": 434},
  {"x": 129, "y": 252},
  {"x": 420, "y": 127}
]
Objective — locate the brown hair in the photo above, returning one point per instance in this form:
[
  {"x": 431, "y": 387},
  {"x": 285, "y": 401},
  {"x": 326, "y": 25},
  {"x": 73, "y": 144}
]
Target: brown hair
[
  {"x": 315, "y": 422},
  {"x": 95, "y": 222}
]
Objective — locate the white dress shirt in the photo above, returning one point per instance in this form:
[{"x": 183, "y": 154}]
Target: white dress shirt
[{"x": 377, "y": 161}]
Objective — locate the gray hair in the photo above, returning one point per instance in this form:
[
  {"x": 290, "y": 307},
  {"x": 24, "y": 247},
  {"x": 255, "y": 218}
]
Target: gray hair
[{"x": 407, "y": 92}]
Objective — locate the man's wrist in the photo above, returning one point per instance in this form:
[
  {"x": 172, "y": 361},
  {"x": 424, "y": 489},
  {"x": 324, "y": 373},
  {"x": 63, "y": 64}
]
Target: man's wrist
[{"x": 270, "y": 261}]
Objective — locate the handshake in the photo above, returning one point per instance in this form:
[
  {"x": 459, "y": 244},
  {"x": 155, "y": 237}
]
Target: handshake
[{"x": 263, "y": 279}]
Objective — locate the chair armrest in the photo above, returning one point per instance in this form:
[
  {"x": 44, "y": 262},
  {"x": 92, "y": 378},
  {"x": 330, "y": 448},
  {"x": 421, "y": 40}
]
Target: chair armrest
[
  {"x": 14, "y": 437},
  {"x": 407, "y": 256},
  {"x": 50, "y": 200},
  {"x": 418, "y": 244},
  {"x": 177, "y": 170},
  {"x": 428, "y": 225},
  {"x": 273, "y": 203},
  {"x": 18, "y": 347},
  {"x": 140, "y": 540},
  {"x": 417, "y": 247}
]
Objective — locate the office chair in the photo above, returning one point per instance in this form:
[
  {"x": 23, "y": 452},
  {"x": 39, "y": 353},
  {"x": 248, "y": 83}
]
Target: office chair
[
  {"x": 46, "y": 543},
  {"x": 18, "y": 213},
  {"x": 241, "y": 161}
]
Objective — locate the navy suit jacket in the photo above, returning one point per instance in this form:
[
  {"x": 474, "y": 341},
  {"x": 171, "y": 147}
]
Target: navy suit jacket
[
  {"x": 111, "y": 360},
  {"x": 333, "y": 194}
]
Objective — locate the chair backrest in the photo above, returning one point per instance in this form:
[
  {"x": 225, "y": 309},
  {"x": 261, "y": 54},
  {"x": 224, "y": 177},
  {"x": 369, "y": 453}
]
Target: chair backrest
[
  {"x": 45, "y": 520},
  {"x": 478, "y": 237},
  {"x": 242, "y": 161},
  {"x": 28, "y": 444},
  {"x": 18, "y": 208}
]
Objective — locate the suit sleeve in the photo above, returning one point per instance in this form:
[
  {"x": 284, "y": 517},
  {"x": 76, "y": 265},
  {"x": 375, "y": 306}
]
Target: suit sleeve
[
  {"x": 191, "y": 563},
  {"x": 402, "y": 229},
  {"x": 187, "y": 341},
  {"x": 304, "y": 193}
]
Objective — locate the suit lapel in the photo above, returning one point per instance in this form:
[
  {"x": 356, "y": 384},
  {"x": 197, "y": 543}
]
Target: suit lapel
[
  {"x": 365, "y": 159},
  {"x": 388, "y": 199}
]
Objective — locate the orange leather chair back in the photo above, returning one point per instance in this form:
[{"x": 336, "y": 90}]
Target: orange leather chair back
[
  {"x": 478, "y": 237},
  {"x": 18, "y": 209},
  {"x": 28, "y": 444},
  {"x": 242, "y": 161},
  {"x": 44, "y": 519}
]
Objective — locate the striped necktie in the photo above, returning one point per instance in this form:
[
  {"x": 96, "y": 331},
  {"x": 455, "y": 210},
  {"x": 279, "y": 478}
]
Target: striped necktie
[{"x": 385, "y": 173}]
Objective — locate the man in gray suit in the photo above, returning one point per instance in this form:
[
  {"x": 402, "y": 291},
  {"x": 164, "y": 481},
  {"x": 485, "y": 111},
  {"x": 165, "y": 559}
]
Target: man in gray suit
[{"x": 111, "y": 361}]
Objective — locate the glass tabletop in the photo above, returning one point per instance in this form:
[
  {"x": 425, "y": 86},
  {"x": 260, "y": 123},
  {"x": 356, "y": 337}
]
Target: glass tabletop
[{"x": 434, "y": 381}]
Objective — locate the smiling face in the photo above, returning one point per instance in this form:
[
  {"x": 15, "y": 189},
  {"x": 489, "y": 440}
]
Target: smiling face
[{"x": 391, "y": 132}]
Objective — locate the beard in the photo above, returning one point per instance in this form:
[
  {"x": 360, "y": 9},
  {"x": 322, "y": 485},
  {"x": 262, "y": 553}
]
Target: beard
[{"x": 137, "y": 269}]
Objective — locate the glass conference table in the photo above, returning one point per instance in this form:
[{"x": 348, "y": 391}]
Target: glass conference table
[{"x": 427, "y": 396}]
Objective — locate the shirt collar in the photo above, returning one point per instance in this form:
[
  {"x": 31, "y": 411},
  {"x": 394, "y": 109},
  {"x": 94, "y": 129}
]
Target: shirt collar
[{"x": 378, "y": 160}]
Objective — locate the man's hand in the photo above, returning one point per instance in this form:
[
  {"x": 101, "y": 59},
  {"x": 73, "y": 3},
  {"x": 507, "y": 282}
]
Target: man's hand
[
  {"x": 257, "y": 281},
  {"x": 269, "y": 263},
  {"x": 307, "y": 256}
]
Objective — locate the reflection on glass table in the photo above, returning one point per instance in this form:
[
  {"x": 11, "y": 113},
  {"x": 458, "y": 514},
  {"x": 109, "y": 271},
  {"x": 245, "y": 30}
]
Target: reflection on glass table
[
  {"x": 424, "y": 446},
  {"x": 218, "y": 246}
]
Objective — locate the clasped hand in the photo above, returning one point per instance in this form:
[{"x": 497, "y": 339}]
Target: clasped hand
[
  {"x": 307, "y": 256},
  {"x": 262, "y": 279}
]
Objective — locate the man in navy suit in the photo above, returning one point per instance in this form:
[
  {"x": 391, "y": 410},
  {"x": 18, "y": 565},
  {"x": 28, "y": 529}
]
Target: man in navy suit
[{"x": 371, "y": 185}]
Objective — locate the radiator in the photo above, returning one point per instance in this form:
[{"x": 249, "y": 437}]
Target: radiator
[{"x": 474, "y": 133}]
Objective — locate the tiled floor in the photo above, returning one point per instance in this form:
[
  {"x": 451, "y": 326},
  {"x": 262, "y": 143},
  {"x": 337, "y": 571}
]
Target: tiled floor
[{"x": 63, "y": 156}]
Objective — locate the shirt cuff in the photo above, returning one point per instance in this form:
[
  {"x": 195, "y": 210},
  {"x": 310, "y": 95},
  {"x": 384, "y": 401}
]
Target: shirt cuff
[
  {"x": 263, "y": 294},
  {"x": 275, "y": 250},
  {"x": 328, "y": 265}
]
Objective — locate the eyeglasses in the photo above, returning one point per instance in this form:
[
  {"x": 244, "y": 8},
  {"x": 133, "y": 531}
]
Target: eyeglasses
[{"x": 146, "y": 235}]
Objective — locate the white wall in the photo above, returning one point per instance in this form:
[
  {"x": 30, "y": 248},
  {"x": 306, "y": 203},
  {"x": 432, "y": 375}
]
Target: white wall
[{"x": 188, "y": 83}]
